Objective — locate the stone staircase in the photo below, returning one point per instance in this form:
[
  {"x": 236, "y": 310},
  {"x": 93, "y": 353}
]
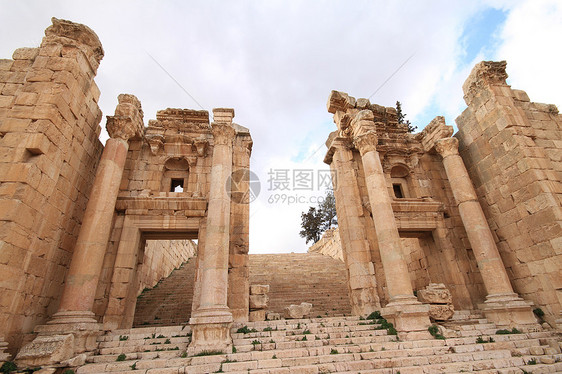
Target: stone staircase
[
  {"x": 330, "y": 345},
  {"x": 293, "y": 278},
  {"x": 303, "y": 277},
  {"x": 169, "y": 302}
]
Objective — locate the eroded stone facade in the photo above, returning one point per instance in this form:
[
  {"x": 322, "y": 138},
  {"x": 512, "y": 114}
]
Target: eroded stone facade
[
  {"x": 76, "y": 216},
  {"x": 479, "y": 212},
  {"x": 409, "y": 214}
]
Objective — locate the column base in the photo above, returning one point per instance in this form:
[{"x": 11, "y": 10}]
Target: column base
[
  {"x": 409, "y": 317},
  {"x": 508, "y": 310},
  {"x": 4, "y": 356},
  {"x": 68, "y": 334},
  {"x": 364, "y": 302},
  {"x": 211, "y": 331}
]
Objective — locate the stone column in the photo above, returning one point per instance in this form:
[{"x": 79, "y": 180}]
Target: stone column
[
  {"x": 239, "y": 271},
  {"x": 355, "y": 246},
  {"x": 404, "y": 310},
  {"x": 502, "y": 305},
  {"x": 75, "y": 315},
  {"x": 211, "y": 321}
]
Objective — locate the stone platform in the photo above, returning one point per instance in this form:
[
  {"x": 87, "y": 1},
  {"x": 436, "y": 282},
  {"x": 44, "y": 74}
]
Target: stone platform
[{"x": 329, "y": 345}]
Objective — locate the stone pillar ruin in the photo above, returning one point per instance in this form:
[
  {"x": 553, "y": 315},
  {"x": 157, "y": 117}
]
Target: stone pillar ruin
[
  {"x": 82, "y": 279},
  {"x": 212, "y": 319},
  {"x": 75, "y": 315},
  {"x": 361, "y": 272},
  {"x": 238, "y": 267},
  {"x": 502, "y": 305},
  {"x": 406, "y": 312}
]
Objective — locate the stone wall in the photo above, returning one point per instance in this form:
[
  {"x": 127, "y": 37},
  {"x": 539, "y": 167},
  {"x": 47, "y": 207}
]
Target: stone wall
[
  {"x": 49, "y": 150},
  {"x": 329, "y": 245},
  {"x": 161, "y": 257},
  {"x": 512, "y": 148}
]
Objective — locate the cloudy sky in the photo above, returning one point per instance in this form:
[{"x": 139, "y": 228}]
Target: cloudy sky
[{"x": 276, "y": 62}]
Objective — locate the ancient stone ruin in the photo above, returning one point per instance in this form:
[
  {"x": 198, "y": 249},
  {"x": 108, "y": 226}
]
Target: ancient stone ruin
[{"x": 470, "y": 222}]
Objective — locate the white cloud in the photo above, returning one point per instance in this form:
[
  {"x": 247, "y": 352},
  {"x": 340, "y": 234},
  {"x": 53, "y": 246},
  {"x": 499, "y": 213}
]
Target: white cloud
[
  {"x": 531, "y": 46},
  {"x": 276, "y": 62}
]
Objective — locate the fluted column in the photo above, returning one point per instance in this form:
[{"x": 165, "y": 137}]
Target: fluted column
[
  {"x": 499, "y": 289},
  {"x": 212, "y": 319},
  {"x": 356, "y": 251}
]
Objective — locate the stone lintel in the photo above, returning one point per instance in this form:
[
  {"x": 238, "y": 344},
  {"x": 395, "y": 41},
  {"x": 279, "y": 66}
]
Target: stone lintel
[
  {"x": 435, "y": 130},
  {"x": 183, "y": 115}
]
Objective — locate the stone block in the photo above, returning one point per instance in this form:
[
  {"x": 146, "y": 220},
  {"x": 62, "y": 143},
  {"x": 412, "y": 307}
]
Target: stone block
[
  {"x": 258, "y": 301},
  {"x": 259, "y": 289},
  {"x": 257, "y": 315},
  {"x": 441, "y": 312},
  {"x": 298, "y": 311},
  {"x": 435, "y": 293},
  {"x": 48, "y": 349},
  {"x": 272, "y": 316}
]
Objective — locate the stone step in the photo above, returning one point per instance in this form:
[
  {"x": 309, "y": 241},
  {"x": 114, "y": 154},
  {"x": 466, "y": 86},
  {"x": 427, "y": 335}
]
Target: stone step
[{"x": 345, "y": 344}]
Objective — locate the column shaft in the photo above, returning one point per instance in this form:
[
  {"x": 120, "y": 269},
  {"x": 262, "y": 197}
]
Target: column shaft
[
  {"x": 362, "y": 283},
  {"x": 214, "y": 269},
  {"x": 480, "y": 237},
  {"x": 87, "y": 259},
  {"x": 211, "y": 321},
  {"x": 392, "y": 257}
]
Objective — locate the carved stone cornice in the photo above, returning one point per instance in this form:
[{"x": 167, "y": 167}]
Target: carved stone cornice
[
  {"x": 223, "y": 134},
  {"x": 201, "y": 146},
  {"x": 337, "y": 142},
  {"x": 340, "y": 101},
  {"x": 155, "y": 141},
  {"x": 447, "y": 147}
]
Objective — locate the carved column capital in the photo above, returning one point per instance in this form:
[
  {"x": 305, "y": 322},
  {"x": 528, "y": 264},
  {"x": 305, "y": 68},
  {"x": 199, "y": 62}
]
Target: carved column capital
[
  {"x": 223, "y": 134},
  {"x": 128, "y": 119},
  {"x": 366, "y": 142},
  {"x": 447, "y": 147}
]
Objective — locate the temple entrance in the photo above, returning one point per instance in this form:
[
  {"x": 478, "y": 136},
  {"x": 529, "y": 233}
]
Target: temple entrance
[{"x": 165, "y": 283}]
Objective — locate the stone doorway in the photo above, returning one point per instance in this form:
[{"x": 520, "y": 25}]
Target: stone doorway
[{"x": 165, "y": 283}]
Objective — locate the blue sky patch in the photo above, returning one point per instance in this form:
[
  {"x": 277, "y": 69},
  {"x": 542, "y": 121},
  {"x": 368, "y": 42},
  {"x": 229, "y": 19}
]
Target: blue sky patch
[{"x": 481, "y": 34}]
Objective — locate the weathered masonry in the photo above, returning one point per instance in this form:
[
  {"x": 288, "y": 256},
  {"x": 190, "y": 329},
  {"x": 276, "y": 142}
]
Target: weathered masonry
[
  {"x": 75, "y": 216},
  {"x": 479, "y": 212}
]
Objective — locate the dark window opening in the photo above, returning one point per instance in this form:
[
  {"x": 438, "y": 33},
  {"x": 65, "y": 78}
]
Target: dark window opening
[
  {"x": 398, "y": 190},
  {"x": 176, "y": 185}
]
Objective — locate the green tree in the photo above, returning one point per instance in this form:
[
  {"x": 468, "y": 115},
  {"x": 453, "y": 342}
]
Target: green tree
[
  {"x": 328, "y": 209},
  {"x": 319, "y": 219},
  {"x": 311, "y": 225},
  {"x": 402, "y": 118}
]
